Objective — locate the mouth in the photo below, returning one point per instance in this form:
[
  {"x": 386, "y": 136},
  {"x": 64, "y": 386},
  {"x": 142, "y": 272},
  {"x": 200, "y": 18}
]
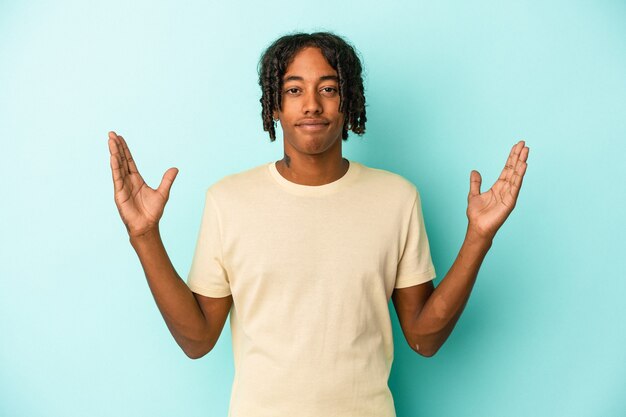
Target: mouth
[{"x": 312, "y": 124}]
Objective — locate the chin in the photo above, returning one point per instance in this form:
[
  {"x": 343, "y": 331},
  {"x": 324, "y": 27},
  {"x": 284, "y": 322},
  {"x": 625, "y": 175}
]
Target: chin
[
  {"x": 313, "y": 143},
  {"x": 314, "y": 147}
]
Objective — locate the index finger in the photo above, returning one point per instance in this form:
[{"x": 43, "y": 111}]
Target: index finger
[
  {"x": 518, "y": 175},
  {"x": 116, "y": 165},
  {"x": 129, "y": 157}
]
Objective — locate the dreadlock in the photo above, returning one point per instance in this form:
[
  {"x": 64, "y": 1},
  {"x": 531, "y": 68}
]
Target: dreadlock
[{"x": 339, "y": 54}]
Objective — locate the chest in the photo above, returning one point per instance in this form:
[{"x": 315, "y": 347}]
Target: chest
[{"x": 322, "y": 245}]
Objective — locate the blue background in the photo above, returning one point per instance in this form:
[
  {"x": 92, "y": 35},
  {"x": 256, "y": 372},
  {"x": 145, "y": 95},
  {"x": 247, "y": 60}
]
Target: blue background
[{"x": 450, "y": 87}]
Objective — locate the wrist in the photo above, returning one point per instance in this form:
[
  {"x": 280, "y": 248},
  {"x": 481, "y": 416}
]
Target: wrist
[
  {"x": 137, "y": 237},
  {"x": 476, "y": 236}
]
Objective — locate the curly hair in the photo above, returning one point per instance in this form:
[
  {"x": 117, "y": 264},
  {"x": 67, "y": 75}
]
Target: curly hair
[{"x": 339, "y": 54}]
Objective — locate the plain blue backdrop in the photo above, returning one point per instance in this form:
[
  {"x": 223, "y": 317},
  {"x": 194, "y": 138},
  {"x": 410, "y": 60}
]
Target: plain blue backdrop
[{"x": 450, "y": 87}]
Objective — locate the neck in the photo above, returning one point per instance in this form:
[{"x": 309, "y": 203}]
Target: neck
[{"x": 312, "y": 169}]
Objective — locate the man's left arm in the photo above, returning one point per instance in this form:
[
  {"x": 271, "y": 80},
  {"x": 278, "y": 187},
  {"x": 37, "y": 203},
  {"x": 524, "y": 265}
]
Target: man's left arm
[{"x": 427, "y": 315}]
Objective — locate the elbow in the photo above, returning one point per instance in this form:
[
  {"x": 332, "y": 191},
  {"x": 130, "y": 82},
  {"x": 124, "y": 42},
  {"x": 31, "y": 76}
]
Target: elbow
[
  {"x": 426, "y": 346},
  {"x": 428, "y": 341},
  {"x": 426, "y": 351},
  {"x": 194, "y": 354},
  {"x": 197, "y": 350}
]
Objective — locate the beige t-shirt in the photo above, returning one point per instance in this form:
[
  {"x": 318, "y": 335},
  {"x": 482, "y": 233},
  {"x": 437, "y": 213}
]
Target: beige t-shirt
[{"x": 311, "y": 270}]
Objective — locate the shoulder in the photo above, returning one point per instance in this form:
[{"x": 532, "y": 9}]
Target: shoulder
[
  {"x": 387, "y": 182},
  {"x": 240, "y": 181}
]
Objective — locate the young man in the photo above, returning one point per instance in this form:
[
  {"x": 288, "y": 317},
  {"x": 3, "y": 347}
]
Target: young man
[{"x": 306, "y": 252}]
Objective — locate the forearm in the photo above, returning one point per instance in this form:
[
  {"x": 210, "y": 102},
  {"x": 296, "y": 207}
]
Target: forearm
[
  {"x": 435, "y": 321},
  {"x": 175, "y": 301}
]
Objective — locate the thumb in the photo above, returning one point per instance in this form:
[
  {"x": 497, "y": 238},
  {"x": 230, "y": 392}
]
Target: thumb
[
  {"x": 475, "y": 181},
  {"x": 167, "y": 181}
]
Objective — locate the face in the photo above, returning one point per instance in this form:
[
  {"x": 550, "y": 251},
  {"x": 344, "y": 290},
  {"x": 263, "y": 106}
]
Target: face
[{"x": 310, "y": 117}]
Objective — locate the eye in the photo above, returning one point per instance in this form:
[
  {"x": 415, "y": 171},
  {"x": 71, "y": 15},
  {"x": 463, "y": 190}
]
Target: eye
[
  {"x": 292, "y": 90},
  {"x": 329, "y": 91}
]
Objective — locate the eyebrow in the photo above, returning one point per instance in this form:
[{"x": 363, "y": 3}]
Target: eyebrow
[{"x": 322, "y": 78}]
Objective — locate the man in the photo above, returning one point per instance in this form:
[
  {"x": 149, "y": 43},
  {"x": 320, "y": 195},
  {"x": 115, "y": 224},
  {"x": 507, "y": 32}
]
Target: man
[{"x": 306, "y": 252}]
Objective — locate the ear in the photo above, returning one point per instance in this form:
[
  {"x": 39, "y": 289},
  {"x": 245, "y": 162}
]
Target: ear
[{"x": 275, "y": 115}]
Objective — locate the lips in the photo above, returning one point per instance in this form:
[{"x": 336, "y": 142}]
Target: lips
[
  {"x": 312, "y": 125},
  {"x": 312, "y": 122}
]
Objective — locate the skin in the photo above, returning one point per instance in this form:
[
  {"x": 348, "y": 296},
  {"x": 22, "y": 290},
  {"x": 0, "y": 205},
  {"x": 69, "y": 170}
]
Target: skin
[
  {"x": 195, "y": 321},
  {"x": 427, "y": 315},
  {"x": 311, "y": 122},
  {"x": 312, "y": 126}
]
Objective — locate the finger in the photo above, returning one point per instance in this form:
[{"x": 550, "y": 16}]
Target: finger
[
  {"x": 112, "y": 142},
  {"x": 524, "y": 154},
  {"x": 116, "y": 165},
  {"x": 118, "y": 178},
  {"x": 521, "y": 162},
  {"x": 132, "y": 167},
  {"x": 521, "y": 159},
  {"x": 513, "y": 158},
  {"x": 120, "y": 150},
  {"x": 475, "y": 181},
  {"x": 511, "y": 161},
  {"x": 167, "y": 181},
  {"x": 517, "y": 178}
]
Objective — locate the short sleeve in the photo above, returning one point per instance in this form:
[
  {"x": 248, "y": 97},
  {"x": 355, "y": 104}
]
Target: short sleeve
[
  {"x": 207, "y": 275},
  {"x": 415, "y": 266}
]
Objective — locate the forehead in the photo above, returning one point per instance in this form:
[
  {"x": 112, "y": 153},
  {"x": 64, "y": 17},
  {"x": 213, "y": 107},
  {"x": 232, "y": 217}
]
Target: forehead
[{"x": 309, "y": 62}]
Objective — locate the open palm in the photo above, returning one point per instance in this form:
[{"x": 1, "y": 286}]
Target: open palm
[
  {"x": 488, "y": 211},
  {"x": 140, "y": 206}
]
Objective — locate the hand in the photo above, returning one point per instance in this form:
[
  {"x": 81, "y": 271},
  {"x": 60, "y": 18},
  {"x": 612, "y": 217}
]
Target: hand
[
  {"x": 140, "y": 206},
  {"x": 488, "y": 211}
]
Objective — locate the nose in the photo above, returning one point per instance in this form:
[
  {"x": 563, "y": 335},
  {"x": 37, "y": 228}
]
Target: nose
[{"x": 312, "y": 103}]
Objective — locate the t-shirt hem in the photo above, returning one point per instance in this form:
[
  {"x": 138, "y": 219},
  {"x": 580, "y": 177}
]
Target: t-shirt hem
[{"x": 417, "y": 279}]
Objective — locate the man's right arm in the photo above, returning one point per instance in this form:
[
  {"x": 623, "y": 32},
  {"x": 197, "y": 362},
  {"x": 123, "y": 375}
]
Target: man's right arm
[{"x": 195, "y": 321}]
